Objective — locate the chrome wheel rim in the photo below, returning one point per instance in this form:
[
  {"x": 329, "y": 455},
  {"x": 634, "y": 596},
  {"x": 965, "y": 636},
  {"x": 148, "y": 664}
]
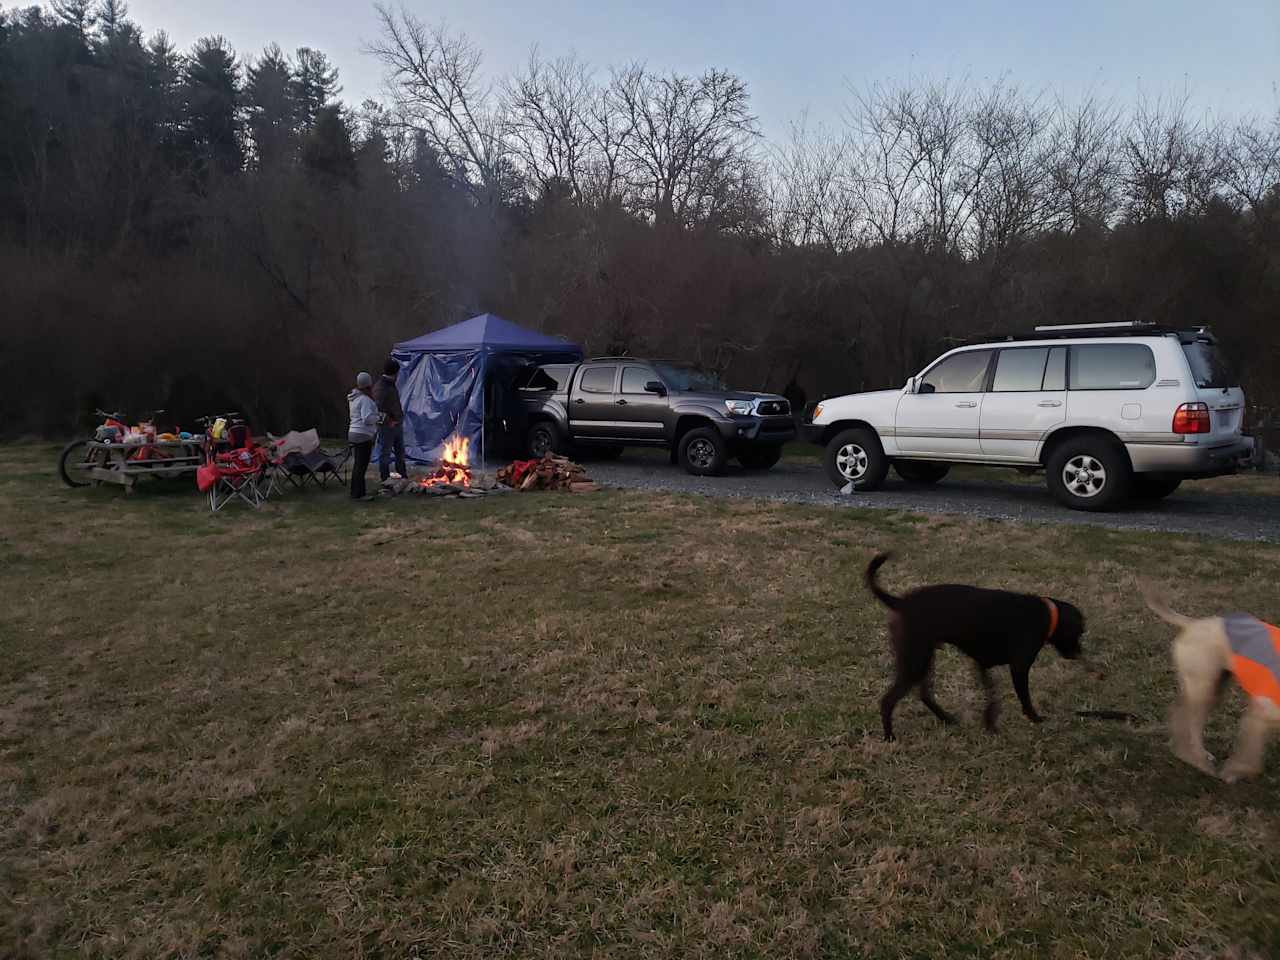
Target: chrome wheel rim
[
  {"x": 701, "y": 453},
  {"x": 1084, "y": 476},
  {"x": 852, "y": 461}
]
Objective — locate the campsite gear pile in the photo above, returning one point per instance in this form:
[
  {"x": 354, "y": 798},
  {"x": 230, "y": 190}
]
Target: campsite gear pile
[
  {"x": 550, "y": 472},
  {"x": 236, "y": 467},
  {"x": 122, "y": 454},
  {"x": 453, "y": 381}
]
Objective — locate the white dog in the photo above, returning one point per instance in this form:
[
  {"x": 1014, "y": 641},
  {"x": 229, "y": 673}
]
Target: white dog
[{"x": 1205, "y": 653}]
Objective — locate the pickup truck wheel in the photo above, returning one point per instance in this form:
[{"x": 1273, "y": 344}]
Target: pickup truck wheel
[
  {"x": 1154, "y": 486},
  {"x": 760, "y": 458},
  {"x": 1089, "y": 473},
  {"x": 544, "y": 437},
  {"x": 918, "y": 471},
  {"x": 856, "y": 456},
  {"x": 702, "y": 452}
]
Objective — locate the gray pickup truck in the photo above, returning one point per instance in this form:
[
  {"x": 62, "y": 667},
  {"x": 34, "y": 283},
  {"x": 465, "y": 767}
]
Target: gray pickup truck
[{"x": 609, "y": 403}]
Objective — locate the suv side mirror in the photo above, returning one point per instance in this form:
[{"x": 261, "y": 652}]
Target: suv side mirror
[{"x": 655, "y": 386}]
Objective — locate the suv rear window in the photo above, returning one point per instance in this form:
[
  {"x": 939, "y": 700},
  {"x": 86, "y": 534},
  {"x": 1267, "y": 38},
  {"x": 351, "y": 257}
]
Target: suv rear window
[
  {"x": 1111, "y": 366},
  {"x": 1020, "y": 370},
  {"x": 1208, "y": 368}
]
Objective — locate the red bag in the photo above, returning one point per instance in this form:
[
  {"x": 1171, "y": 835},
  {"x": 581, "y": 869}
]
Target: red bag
[{"x": 206, "y": 477}]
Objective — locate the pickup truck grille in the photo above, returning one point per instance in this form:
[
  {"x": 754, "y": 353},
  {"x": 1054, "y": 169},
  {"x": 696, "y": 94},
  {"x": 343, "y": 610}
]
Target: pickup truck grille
[{"x": 773, "y": 408}]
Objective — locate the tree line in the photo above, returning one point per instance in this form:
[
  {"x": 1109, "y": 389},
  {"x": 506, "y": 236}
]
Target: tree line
[{"x": 202, "y": 230}]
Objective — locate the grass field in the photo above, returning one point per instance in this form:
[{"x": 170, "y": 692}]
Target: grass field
[{"x": 610, "y": 725}]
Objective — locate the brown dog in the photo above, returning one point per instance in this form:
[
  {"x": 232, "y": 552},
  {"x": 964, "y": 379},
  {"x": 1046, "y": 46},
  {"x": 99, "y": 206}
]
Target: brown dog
[
  {"x": 993, "y": 627},
  {"x": 1206, "y": 652}
]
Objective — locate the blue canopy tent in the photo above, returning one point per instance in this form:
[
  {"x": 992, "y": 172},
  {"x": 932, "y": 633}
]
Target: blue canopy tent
[{"x": 444, "y": 374}]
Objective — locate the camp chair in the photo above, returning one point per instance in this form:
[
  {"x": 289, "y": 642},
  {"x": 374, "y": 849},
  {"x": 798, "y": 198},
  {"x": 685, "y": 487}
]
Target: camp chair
[
  {"x": 233, "y": 475},
  {"x": 302, "y": 460}
]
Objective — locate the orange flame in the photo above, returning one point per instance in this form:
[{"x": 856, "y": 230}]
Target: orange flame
[{"x": 455, "y": 464}]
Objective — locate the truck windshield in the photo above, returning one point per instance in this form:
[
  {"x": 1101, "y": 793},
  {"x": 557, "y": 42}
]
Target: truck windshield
[
  {"x": 1208, "y": 368},
  {"x": 680, "y": 377}
]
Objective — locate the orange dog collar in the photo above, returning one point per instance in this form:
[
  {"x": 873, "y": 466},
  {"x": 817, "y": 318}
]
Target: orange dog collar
[{"x": 1053, "y": 618}]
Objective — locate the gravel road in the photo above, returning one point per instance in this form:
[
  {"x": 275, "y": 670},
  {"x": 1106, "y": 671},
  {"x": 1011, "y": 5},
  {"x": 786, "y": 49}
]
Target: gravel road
[{"x": 1192, "y": 509}]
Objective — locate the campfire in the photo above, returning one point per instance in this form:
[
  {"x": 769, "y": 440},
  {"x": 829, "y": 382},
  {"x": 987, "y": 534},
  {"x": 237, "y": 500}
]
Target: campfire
[{"x": 455, "y": 465}]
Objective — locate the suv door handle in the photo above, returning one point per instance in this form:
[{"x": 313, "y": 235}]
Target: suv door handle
[
  {"x": 580, "y": 400},
  {"x": 621, "y": 403},
  {"x": 967, "y": 403},
  {"x": 1049, "y": 403}
]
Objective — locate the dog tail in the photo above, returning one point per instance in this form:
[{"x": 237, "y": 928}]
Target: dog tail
[
  {"x": 1159, "y": 607},
  {"x": 888, "y": 599}
]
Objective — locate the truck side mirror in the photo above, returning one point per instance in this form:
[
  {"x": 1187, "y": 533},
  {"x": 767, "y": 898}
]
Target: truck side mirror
[{"x": 655, "y": 386}]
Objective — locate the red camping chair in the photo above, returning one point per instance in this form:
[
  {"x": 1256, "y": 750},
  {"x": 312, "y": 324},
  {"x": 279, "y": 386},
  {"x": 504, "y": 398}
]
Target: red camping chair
[{"x": 234, "y": 469}]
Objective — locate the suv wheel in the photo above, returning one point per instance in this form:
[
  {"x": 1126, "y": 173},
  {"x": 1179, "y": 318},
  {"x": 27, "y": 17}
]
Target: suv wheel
[
  {"x": 1089, "y": 473},
  {"x": 1154, "y": 486},
  {"x": 918, "y": 471},
  {"x": 856, "y": 456},
  {"x": 544, "y": 437},
  {"x": 702, "y": 452},
  {"x": 760, "y": 458}
]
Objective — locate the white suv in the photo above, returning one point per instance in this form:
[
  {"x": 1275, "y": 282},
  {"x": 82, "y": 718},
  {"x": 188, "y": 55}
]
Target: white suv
[{"x": 1108, "y": 410}]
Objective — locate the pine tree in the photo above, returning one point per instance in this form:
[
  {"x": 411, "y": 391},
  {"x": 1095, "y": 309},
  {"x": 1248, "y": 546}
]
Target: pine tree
[
  {"x": 327, "y": 149},
  {"x": 315, "y": 84},
  {"x": 269, "y": 98},
  {"x": 211, "y": 105}
]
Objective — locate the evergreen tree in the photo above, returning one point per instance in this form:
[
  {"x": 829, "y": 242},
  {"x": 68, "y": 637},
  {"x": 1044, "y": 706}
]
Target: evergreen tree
[
  {"x": 269, "y": 98},
  {"x": 211, "y": 107},
  {"x": 315, "y": 84},
  {"x": 327, "y": 149}
]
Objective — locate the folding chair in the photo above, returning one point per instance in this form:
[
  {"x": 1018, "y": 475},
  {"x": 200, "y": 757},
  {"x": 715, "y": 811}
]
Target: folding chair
[{"x": 234, "y": 475}]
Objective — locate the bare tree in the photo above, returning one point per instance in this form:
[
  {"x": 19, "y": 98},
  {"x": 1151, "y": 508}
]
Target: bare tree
[
  {"x": 688, "y": 143},
  {"x": 434, "y": 78},
  {"x": 1014, "y": 196},
  {"x": 1085, "y": 164},
  {"x": 550, "y": 121},
  {"x": 1251, "y": 164},
  {"x": 610, "y": 130},
  {"x": 813, "y": 200},
  {"x": 1172, "y": 165}
]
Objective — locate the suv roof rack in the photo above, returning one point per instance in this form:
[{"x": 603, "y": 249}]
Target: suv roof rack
[
  {"x": 594, "y": 359},
  {"x": 1121, "y": 329}
]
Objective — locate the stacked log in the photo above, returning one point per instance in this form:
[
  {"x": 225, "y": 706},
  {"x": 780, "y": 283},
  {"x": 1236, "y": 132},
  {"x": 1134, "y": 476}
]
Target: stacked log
[{"x": 551, "y": 472}]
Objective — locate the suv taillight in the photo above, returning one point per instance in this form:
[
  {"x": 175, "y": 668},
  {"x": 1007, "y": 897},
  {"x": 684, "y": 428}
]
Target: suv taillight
[{"x": 1191, "y": 418}]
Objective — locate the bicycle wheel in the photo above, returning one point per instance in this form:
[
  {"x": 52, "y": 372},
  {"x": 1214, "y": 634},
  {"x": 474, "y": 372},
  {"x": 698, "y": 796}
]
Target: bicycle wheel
[{"x": 76, "y": 455}]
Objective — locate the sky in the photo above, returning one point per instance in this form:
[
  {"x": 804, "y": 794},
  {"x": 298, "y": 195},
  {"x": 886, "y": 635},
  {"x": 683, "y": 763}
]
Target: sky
[{"x": 805, "y": 56}]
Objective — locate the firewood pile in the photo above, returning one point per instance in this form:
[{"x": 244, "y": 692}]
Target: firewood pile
[{"x": 551, "y": 472}]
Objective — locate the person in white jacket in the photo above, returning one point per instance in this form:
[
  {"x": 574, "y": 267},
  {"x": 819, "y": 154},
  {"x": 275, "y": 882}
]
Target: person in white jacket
[{"x": 360, "y": 434}]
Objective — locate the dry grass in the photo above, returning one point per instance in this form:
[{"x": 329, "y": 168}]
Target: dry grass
[{"x": 619, "y": 725}]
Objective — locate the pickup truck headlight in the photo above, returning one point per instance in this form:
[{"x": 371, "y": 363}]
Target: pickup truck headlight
[
  {"x": 817, "y": 412},
  {"x": 741, "y": 408}
]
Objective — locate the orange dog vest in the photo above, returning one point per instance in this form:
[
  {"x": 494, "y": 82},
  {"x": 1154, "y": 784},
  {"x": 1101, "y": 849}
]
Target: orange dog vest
[{"x": 1255, "y": 655}]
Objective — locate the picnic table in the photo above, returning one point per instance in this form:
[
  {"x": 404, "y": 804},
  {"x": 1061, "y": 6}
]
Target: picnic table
[{"x": 126, "y": 463}]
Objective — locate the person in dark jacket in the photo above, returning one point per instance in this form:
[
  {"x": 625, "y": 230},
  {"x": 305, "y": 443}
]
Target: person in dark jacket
[{"x": 391, "y": 433}]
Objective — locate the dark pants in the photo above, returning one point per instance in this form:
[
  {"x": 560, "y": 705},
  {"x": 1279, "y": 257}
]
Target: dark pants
[
  {"x": 361, "y": 452},
  {"x": 392, "y": 441}
]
